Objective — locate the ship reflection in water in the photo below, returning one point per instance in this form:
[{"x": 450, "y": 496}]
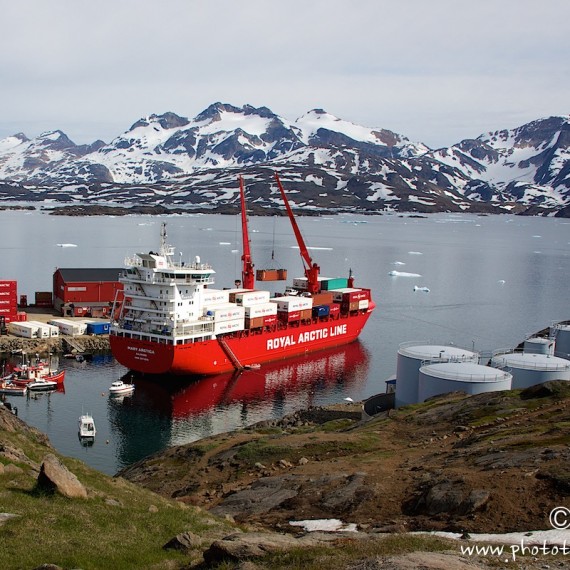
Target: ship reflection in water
[{"x": 166, "y": 411}]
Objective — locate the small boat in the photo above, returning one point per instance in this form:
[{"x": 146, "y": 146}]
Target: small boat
[
  {"x": 86, "y": 426},
  {"x": 40, "y": 384},
  {"x": 8, "y": 387},
  {"x": 121, "y": 388}
]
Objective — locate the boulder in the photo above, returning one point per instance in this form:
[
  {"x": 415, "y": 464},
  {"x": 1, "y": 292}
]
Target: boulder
[
  {"x": 184, "y": 541},
  {"x": 55, "y": 477}
]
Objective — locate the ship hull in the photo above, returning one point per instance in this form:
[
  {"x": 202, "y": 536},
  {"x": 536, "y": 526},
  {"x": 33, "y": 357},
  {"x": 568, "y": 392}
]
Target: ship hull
[{"x": 236, "y": 351}]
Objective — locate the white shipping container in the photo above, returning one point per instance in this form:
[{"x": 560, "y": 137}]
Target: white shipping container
[
  {"x": 363, "y": 304},
  {"x": 261, "y": 310},
  {"x": 292, "y": 303},
  {"x": 47, "y": 331},
  {"x": 302, "y": 282},
  {"x": 216, "y": 296},
  {"x": 234, "y": 325},
  {"x": 28, "y": 329},
  {"x": 69, "y": 328},
  {"x": 226, "y": 312},
  {"x": 248, "y": 298}
]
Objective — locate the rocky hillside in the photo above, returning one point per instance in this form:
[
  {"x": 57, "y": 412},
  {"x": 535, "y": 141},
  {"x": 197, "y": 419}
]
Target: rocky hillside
[
  {"x": 495, "y": 462},
  {"x": 325, "y": 162}
]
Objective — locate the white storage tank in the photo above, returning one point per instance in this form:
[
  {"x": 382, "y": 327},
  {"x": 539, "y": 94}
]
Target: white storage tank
[
  {"x": 539, "y": 345},
  {"x": 529, "y": 369},
  {"x": 412, "y": 356},
  {"x": 469, "y": 377},
  {"x": 561, "y": 332}
]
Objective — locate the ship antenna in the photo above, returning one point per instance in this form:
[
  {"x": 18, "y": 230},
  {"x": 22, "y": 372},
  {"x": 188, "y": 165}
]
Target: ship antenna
[{"x": 163, "y": 238}]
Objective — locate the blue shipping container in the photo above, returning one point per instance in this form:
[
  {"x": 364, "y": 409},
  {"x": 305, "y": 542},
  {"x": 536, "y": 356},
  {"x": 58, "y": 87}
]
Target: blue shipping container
[
  {"x": 98, "y": 328},
  {"x": 321, "y": 311}
]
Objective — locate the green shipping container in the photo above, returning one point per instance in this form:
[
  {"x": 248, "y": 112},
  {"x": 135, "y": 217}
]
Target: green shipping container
[{"x": 336, "y": 283}]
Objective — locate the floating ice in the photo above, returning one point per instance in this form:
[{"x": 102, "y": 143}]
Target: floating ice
[
  {"x": 415, "y": 253},
  {"x": 403, "y": 274},
  {"x": 424, "y": 289},
  {"x": 398, "y": 263},
  {"x": 349, "y": 399},
  {"x": 66, "y": 245},
  {"x": 501, "y": 281},
  {"x": 225, "y": 243}
]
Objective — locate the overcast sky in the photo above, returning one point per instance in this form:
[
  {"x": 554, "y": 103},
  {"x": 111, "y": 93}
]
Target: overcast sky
[{"x": 436, "y": 71}]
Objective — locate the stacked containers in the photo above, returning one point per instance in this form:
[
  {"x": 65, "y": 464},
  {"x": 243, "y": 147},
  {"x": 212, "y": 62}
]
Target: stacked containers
[
  {"x": 227, "y": 317},
  {"x": 9, "y": 300},
  {"x": 259, "y": 312},
  {"x": 352, "y": 299},
  {"x": 292, "y": 308},
  {"x": 44, "y": 299}
]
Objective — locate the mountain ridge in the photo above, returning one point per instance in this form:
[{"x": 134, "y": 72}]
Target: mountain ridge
[{"x": 332, "y": 164}]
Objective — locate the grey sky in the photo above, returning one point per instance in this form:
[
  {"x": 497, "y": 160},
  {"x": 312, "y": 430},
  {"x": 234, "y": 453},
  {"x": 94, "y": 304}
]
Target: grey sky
[{"x": 435, "y": 71}]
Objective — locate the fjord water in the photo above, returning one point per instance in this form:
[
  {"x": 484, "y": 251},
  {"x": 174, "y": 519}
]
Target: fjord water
[{"x": 492, "y": 280}]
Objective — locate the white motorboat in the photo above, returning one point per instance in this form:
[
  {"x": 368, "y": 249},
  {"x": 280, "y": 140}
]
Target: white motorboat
[
  {"x": 121, "y": 388},
  {"x": 42, "y": 385},
  {"x": 86, "y": 426}
]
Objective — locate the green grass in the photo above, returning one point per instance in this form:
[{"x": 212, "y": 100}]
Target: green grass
[{"x": 119, "y": 526}]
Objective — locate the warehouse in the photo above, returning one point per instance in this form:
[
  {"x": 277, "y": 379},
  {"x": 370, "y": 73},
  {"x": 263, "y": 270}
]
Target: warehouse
[{"x": 86, "y": 292}]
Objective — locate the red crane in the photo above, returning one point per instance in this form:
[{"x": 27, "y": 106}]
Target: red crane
[
  {"x": 247, "y": 275},
  {"x": 311, "y": 269}
]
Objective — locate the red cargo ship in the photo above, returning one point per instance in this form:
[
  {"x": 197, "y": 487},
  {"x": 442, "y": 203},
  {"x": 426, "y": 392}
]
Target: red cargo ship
[{"x": 171, "y": 321}]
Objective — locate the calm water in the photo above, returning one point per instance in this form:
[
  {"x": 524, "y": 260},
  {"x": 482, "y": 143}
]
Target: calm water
[{"x": 492, "y": 280}]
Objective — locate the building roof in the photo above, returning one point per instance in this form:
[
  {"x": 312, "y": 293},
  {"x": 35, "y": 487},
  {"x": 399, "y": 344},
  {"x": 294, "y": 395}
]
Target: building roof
[{"x": 86, "y": 274}]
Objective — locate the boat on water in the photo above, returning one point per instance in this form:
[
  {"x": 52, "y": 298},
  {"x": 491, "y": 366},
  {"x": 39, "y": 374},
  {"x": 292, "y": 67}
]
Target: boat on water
[
  {"x": 40, "y": 369},
  {"x": 120, "y": 388},
  {"x": 171, "y": 321},
  {"x": 7, "y": 387},
  {"x": 86, "y": 427},
  {"x": 41, "y": 385}
]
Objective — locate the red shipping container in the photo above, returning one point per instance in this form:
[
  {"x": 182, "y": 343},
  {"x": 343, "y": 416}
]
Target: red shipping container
[
  {"x": 286, "y": 317},
  {"x": 334, "y": 309},
  {"x": 306, "y": 314},
  {"x": 9, "y": 286},
  {"x": 269, "y": 320},
  {"x": 21, "y": 316}
]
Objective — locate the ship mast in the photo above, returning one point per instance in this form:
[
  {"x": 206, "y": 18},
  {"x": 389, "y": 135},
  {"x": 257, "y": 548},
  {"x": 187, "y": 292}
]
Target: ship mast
[
  {"x": 311, "y": 268},
  {"x": 247, "y": 275}
]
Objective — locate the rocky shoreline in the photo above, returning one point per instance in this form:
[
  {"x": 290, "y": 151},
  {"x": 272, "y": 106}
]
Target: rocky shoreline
[{"x": 10, "y": 344}]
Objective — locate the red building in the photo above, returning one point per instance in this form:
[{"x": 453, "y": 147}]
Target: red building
[{"x": 86, "y": 292}]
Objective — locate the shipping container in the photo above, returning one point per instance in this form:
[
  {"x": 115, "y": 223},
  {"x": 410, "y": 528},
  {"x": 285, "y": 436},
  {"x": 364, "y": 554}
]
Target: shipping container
[
  {"x": 234, "y": 325},
  {"x": 269, "y": 320},
  {"x": 321, "y": 311},
  {"x": 349, "y": 307},
  {"x": 288, "y": 316},
  {"x": 216, "y": 296},
  {"x": 261, "y": 310},
  {"x": 97, "y": 327},
  {"x": 249, "y": 298},
  {"x": 349, "y": 295},
  {"x": 271, "y": 275},
  {"x": 292, "y": 303},
  {"x": 255, "y": 323},
  {"x": 334, "y": 309},
  {"x": 224, "y": 312},
  {"x": 21, "y": 316},
  {"x": 336, "y": 283},
  {"x": 9, "y": 285},
  {"x": 306, "y": 314},
  {"x": 325, "y": 298},
  {"x": 69, "y": 328},
  {"x": 43, "y": 297},
  {"x": 233, "y": 292}
]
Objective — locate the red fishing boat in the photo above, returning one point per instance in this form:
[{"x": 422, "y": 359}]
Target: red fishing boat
[{"x": 171, "y": 321}]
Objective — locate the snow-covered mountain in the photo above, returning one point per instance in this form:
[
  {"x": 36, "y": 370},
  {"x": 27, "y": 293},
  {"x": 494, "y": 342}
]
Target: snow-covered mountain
[{"x": 330, "y": 163}]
